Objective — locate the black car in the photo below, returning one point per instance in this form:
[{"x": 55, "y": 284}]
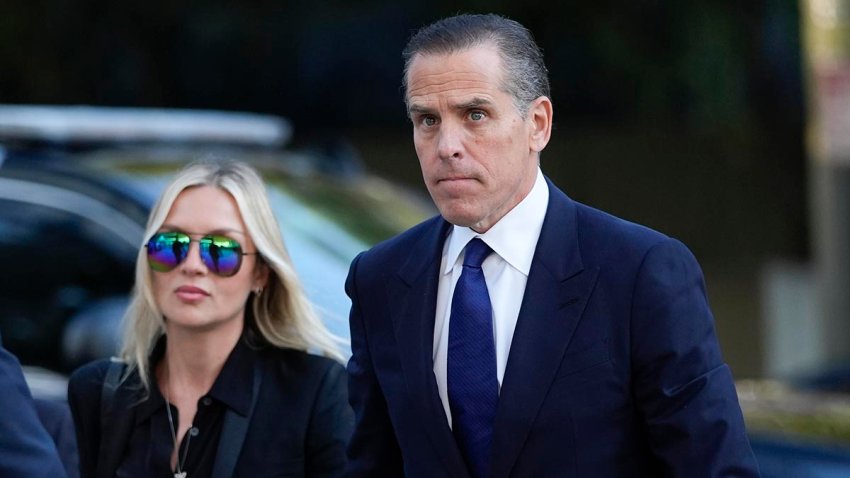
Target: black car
[{"x": 76, "y": 185}]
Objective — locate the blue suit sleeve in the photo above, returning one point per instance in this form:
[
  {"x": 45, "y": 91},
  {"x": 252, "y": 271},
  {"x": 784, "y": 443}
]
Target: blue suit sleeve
[
  {"x": 685, "y": 391},
  {"x": 373, "y": 449},
  {"x": 26, "y": 449},
  {"x": 55, "y": 415}
]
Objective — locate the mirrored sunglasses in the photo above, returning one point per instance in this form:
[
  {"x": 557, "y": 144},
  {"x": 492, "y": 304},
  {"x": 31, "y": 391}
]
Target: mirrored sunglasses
[{"x": 220, "y": 254}]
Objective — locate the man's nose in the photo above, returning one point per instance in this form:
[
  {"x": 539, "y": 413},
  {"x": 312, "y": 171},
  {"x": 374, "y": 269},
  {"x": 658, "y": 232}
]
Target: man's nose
[{"x": 450, "y": 141}]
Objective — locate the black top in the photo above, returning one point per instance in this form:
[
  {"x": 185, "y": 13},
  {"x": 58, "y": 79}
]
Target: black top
[
  {"x": 151, "y": 441},
  {"x": 297, "y": 416}
]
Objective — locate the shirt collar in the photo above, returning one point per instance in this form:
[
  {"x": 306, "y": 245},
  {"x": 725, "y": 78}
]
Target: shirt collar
[
  {"x": 514, "y": 237},
  {"x": 233, "y": 386}
]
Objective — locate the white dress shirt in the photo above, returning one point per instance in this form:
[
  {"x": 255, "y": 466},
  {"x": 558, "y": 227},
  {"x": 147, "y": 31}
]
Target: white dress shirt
[{"x": 513, "y": 240}]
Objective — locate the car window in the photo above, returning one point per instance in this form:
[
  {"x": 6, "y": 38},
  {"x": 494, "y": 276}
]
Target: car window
[
  {"x": 55, "y": 261},
  {"x": 321, "y": 252}
]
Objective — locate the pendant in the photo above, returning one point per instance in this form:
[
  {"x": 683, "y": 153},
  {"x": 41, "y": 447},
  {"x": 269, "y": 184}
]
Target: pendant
[{"x": 181, "y": 474}]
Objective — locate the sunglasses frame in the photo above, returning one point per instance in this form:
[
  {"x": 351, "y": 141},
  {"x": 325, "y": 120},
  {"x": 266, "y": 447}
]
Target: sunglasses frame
[{"x": 204, "y": 242}]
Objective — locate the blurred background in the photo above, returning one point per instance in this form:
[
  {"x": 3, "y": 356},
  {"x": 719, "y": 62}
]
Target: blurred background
[{"x": 724, "y": 124}]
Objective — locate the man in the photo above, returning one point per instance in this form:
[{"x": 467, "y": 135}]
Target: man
[
  {"x": 26, "y": 449},
  {"x": 520, "y": 333}
]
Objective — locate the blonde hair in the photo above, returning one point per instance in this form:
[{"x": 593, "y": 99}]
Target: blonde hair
[{"x": 282, "y": 314}]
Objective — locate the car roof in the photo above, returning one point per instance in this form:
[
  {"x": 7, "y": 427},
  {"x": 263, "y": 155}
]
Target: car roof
[{"x": 88, "y": 124}]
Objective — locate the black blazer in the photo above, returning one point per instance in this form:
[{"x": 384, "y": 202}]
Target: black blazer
[
  {"x": 298, "y": 425},
  {"x": 614, "y": 369}
]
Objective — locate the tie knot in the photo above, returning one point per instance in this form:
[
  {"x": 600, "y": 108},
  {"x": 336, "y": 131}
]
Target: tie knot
[{"x": 476, "y": 252}]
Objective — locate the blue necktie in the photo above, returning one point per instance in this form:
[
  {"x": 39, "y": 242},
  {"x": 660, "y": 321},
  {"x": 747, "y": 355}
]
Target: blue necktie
[{"x": 471, "y": 371}]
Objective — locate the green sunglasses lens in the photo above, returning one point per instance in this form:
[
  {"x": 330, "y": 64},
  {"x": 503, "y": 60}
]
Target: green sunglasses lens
[
  {"x": 167, "y": 249},
  {"x": 221, "y": 254}
]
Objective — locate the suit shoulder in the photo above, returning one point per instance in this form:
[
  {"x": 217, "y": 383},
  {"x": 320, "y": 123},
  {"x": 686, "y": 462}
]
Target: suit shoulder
[
  {"x": 608, "y": 239},
  {"x": 92, "y": 371},
  {"x": 401, "y": 243},
  {"x": 604, "y": 229},
  {"x": 301, "y": 365},
  {"x": 88, "y": 379}
]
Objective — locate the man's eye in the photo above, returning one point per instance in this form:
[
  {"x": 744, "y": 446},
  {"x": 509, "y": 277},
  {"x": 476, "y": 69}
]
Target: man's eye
[
  {"x": 429, "y": 121},
  {"x": 476, "y": 115}
]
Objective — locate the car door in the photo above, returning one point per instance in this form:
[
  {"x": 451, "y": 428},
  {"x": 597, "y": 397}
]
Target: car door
[{"x": 64, "y": 254}]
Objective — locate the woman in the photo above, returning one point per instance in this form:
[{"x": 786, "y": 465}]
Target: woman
[{"x": 218, "y": 329}]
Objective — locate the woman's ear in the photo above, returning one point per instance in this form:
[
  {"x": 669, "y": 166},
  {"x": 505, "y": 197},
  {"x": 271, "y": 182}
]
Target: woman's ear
[{"x": 261, "y": 274}]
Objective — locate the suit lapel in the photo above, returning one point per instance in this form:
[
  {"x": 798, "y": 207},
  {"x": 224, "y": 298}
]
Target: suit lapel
[
  {"x": 234, "y": 429},
  {"x": 414, "y": 294},
  {"x": 555, "y": 295}
]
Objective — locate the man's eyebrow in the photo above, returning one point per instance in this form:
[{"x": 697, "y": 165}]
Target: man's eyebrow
[
  {"x": 473, "y": 103},
  {"x": 419, "y": 109},
  {"x": 476, "y": 102}
]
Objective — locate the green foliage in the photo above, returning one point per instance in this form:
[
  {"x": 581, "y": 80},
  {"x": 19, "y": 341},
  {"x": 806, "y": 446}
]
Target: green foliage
[{"x": 776, "y": 408}]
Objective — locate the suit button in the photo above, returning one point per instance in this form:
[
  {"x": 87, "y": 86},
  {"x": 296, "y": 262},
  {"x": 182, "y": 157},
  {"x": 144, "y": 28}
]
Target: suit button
[
  {"x": 194, "y": 431},
  {"x": 207, "y": 401}
]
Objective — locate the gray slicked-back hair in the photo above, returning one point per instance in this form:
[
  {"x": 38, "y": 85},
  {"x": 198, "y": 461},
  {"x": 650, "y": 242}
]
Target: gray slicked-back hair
[{"x": 526, "y": 77}]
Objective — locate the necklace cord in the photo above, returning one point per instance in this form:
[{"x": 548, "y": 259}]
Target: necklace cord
[{"x": 171, "y": 426}]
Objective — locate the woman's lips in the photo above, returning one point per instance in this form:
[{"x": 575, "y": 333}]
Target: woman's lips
[{"x": 188, "y": 293}]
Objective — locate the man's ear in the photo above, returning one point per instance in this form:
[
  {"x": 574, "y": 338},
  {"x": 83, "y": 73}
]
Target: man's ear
[{"x": 540, "y": 123}]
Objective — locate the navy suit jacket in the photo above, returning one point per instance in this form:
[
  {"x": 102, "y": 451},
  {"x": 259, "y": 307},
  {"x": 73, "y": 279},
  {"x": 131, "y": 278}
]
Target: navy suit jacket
[
  {"x": 26, "y": 448},
  {"x": 614, "y": 369}
]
